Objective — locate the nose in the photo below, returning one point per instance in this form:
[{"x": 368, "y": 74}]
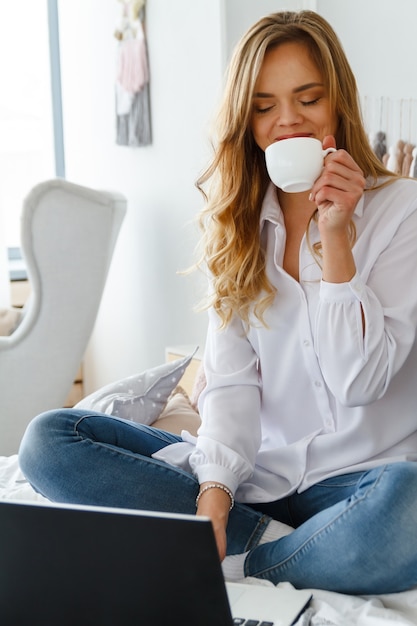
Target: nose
[{"x": 288, "y": 115}]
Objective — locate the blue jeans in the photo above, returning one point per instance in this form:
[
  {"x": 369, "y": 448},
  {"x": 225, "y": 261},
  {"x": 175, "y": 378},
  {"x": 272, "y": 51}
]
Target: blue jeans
[{"x": 355, "y": 533}]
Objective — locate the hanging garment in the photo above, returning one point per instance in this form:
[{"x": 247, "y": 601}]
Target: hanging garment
[
  {"x": 134, "y": 128},
  {"x": 123, "y": 100},
  {"x": 379, "y": 145},
  {"x": 413, "y": 167},
  {"x": 408, "y": 157},
  {"x": 395, "y": 157},
  {"x": 132, "y": 72},
  {"x": 133, "y": 121}
]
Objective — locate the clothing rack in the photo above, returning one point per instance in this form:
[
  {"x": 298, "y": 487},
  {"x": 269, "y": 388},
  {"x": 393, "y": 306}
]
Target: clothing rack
[
  {"x": 397, "y": 117},
  {"x": 391, "y": 124}
]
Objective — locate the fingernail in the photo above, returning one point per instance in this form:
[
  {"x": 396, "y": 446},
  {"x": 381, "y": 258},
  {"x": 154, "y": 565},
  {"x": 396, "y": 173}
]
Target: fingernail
[{"x": 310, "y": 197}]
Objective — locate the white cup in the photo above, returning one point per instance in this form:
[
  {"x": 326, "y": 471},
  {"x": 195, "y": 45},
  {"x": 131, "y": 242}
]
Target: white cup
[{"x": 294, "y": 164}]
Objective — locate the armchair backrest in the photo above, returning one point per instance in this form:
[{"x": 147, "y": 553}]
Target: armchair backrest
[{"x": 68, "y": 235}]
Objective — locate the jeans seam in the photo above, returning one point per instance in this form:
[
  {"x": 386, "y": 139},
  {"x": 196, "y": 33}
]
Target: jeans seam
[
  {"x": 257, "y": 533},
  {"x": 133, "y": 456},
  {"x": 301, "y": 549},
  {"x": 156, "y": 432}
]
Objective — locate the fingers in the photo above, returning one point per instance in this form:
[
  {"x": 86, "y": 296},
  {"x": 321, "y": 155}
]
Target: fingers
[
  {"x": 341, "y": 181},
  {"x": 329, "y": 142}
]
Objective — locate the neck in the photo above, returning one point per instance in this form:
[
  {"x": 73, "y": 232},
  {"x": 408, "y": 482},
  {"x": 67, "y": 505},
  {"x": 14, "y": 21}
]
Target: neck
[{"x": 296, "y": 206}]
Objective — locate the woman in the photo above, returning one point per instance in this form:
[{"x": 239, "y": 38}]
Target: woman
[{"x": 306, "y": 458}]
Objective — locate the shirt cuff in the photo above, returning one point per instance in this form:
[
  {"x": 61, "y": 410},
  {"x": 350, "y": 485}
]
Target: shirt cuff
[
  {"x": 216, "y": 474},
  {"x": 339, "y": 292}
]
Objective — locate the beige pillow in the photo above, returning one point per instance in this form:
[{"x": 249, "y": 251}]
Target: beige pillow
[
  {"x": 199, "y": 385},
  {"x": 178, "y": 415},
  {"x": 9, "y": 320}
]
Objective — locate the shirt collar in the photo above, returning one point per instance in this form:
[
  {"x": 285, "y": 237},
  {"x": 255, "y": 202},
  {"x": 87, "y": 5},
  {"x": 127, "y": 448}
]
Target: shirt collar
[{"x": 271, "y": 210}]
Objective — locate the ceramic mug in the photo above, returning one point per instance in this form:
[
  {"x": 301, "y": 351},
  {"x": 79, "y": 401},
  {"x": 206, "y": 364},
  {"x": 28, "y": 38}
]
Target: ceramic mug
[{"x": 294, "y": 164}]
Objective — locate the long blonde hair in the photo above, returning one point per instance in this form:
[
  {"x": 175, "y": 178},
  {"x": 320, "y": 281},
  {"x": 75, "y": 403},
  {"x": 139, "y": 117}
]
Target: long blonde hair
[{"x": 237, "y": 173}]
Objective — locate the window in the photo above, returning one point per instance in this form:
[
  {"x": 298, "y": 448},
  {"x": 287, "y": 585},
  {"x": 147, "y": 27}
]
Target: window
[{"x": 31, "y": 147}]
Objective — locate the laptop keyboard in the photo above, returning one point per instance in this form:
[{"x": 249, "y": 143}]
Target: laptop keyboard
[{"x": 238, "y": 621}]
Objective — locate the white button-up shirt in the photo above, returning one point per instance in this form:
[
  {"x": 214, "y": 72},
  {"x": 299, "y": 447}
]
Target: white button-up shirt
[{"x": 310, "y": 395}]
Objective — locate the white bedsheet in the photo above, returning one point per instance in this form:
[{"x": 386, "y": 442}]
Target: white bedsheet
[{"x": 327, "y": 608}]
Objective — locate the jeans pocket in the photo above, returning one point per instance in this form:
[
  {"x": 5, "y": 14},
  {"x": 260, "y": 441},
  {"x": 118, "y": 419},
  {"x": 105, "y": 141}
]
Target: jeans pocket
[{"x": 343, "y": 480}]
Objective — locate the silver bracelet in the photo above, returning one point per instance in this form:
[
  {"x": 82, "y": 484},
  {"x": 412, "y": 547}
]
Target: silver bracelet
[{"x": 216, "y": 486}]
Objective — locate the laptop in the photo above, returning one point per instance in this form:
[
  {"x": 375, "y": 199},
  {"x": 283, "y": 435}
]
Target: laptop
[{"x": 96, "y": 566}]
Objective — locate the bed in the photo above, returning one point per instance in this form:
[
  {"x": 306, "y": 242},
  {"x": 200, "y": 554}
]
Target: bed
[
  {"x": 327, "y": 609},
  {"x": 156, "y": 394}
]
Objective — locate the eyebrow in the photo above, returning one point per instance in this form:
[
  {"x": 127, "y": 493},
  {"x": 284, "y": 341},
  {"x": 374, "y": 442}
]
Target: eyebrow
[{"x": 261, "y": 94}]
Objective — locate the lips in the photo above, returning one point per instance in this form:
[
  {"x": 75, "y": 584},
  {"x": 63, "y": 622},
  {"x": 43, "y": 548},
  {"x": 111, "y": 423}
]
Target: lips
[{"x": 292, "y": 136}]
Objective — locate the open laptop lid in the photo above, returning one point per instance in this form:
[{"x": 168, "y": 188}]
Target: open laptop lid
[
  {"x": 78, "y": 565},
  {"x": 87, "y": 565}
]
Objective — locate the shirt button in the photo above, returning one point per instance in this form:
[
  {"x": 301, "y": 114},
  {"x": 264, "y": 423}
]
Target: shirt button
[
  {"x": 317, "y": 383},
  {"x": 306, "y": 343}
]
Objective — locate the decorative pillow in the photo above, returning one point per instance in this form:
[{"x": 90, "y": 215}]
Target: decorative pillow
[
  {"x": 10, "y": 319},
  {"x": 139, "y": 398},
  {"x": 178, "y": 414}
]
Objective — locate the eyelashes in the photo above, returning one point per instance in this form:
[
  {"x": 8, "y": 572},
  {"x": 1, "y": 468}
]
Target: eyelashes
[
  {"x": 311, "y": 102},
  {"x": 263, "y": 110}
]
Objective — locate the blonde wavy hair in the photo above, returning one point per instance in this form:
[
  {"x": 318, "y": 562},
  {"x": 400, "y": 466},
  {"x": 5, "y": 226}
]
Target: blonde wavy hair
[{"x": 237, "y": 174}]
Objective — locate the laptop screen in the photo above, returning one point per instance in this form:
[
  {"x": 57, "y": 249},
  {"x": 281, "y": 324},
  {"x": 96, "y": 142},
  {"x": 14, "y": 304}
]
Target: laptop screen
[{"x": 90, "y": 565}]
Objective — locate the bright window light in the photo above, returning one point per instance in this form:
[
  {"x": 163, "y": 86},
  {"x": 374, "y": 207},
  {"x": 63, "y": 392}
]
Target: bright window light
[{"x": 26, "y": 120}]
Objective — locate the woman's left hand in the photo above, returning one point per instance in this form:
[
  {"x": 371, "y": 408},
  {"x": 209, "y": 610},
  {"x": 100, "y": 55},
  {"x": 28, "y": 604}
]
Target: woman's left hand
[{"x": 337, "y": 190}]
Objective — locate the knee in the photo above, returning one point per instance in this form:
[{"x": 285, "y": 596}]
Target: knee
[
  {"x": 386, "y": 533},
  {"x": 390, "y": 485},
  {"x": 41, "y": 438},
  {"x": 395, "y": 512},
  {"x": 399, "y": 482},
  {"x": 40, "y": 426}
]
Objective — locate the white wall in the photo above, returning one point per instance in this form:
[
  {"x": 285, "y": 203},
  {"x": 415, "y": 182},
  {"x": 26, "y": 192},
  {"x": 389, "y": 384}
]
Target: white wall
[
  {"x": 239, "y": 15},
  {"x": 146, "y": 305},
  {"x": 380, "y": 42},
  {"x": 379, "y": 37}
]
